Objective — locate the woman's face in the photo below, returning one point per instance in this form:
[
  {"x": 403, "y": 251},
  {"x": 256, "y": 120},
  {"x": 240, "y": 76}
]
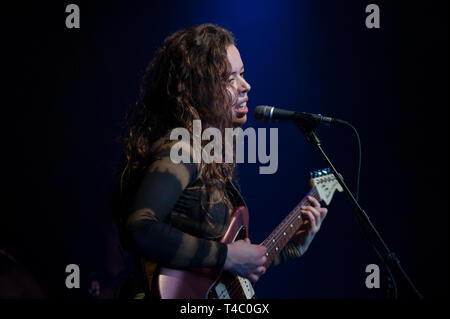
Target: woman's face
[{"x": 237, "y": 86}]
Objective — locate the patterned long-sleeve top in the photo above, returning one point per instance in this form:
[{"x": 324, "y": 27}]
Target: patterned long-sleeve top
[{"x": 167, "y": 224}]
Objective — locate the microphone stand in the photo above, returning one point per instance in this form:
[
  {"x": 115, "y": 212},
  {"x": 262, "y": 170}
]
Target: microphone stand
[{"x": 308, "y": 128}]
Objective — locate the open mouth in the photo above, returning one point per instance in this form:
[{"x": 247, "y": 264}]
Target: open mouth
[
  {"x": 241, "y": 109},
  {"x": 241, "y": 106}
]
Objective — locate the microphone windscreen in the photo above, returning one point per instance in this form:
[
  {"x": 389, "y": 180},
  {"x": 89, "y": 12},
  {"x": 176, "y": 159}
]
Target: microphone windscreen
[{"x": 262, "y": 113}]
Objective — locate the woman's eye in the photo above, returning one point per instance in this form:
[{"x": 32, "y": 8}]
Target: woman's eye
[
  {"x": 231, "y": 80},
  {"x": 242, "y": 74}
]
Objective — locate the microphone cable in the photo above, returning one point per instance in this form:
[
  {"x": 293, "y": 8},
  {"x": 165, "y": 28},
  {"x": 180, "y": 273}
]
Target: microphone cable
[
  {"x": 358, "y": 176},
  {"x": 390, "y": 278}
]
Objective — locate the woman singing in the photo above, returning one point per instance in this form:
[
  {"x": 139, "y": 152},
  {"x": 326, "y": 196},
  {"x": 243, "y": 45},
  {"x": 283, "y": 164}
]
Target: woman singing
[{"x": 174, "y": 214}]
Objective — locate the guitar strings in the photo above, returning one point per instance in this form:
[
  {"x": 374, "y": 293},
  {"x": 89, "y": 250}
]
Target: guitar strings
[
  {"x": 286, "y": 225},
  {"x": 291, "y": 220},
  {"x": 235, "y": 284}
]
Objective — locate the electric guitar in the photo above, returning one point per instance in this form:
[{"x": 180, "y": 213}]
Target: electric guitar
[{"x": 207, "y": 283}]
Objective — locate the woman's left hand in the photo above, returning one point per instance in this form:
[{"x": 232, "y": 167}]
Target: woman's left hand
[{"x": 313, "y": 217}]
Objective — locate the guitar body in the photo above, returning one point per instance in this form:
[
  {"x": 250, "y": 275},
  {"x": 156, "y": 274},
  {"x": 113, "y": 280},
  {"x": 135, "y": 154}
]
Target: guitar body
[{"x": 207, "y": 283}]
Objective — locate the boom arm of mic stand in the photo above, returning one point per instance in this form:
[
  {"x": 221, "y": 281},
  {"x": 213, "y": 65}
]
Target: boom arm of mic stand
[{"x": 390, "y": 257}]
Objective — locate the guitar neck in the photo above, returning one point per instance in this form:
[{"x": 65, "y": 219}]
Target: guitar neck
[{"x": 276, "y": 241}]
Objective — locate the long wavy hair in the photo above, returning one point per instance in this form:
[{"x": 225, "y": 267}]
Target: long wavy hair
[{"x": 186, "y": 80}]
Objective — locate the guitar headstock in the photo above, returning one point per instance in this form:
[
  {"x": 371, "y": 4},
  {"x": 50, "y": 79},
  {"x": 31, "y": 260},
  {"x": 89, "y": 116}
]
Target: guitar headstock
[{"x": 325, "y": 183}]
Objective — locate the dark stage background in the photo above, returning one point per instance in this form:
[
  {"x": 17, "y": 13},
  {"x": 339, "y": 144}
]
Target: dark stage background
[{"x": 67, "y": 91}]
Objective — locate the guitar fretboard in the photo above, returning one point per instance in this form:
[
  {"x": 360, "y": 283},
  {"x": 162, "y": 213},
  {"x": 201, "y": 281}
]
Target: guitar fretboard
[{"x": 276, "y": 241}]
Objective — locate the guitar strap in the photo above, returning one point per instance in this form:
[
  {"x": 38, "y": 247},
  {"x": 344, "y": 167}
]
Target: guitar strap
[
  {"x": 149, "y": 270},
  {"x": 143, "y": 271},
  {"x": 237, "y": 198}
]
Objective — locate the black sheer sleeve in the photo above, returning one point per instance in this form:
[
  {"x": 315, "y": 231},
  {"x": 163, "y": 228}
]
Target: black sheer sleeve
[{"x": 148, "y": 228}]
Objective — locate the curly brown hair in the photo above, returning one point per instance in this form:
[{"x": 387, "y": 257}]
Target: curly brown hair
[{"x": 186, "y": 80}]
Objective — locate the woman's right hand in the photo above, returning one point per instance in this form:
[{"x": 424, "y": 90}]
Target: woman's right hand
[{"x": 246, "y": 260}]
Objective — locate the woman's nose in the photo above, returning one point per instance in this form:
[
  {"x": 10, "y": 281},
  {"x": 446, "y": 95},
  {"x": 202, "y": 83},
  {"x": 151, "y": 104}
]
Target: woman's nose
[{"x": 245, "y": 86}]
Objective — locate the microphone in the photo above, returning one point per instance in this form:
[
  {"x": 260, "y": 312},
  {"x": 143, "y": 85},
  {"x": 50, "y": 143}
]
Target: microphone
[{"x": 264, "y": 113}]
